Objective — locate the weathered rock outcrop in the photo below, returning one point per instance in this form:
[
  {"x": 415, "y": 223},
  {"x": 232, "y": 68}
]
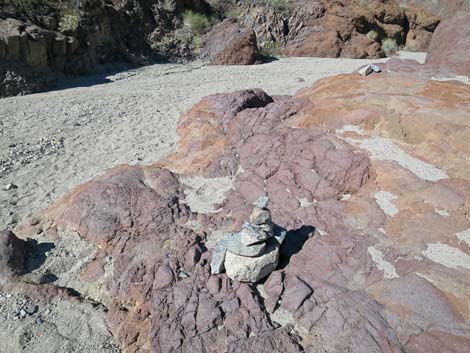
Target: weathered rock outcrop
[
  {"x": 450, "y": 45},
  {"x": 34, "y": 53},
  {"x": 442, "y": 8},
  {"x": 392, "y": 234},
  {"x": 376, "y": 255},
  {"x": 161, "y": 296},
  {"x": 421, "y": 25},
  {"x": 38, "y": 44},
  {"x": 346, "y": 28}
]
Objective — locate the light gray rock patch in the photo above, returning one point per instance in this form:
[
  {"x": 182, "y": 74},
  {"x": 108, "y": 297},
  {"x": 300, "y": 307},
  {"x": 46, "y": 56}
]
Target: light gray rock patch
[
  {"x": 386, "y": 267},
  {"x": 385, "y": 150},
  {"x": 464, "y": 236},
  {"x": 384, "y": 200},
  {"x": 447, "y": 256}
]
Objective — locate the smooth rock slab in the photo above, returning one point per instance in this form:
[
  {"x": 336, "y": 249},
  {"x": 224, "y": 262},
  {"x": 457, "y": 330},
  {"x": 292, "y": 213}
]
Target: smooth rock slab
[{"x": 252, "y": 269}]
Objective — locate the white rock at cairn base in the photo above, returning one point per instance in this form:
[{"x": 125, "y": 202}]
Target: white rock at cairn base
[{"x": 252, "y": 269}]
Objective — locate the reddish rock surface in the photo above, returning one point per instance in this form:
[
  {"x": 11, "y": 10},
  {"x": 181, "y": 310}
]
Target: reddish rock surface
[
  {"x": 357, "y": 29},
  {"x": 228, "y": 43},
  {"x": 442, "y": 8},
  {"x": 161, "y": 297},
  {"x": 370, "y": 177},
  {"x": 422, "y": 24},
  {"x": 389, "y": 202},
  {"x": 450, "y": 45}
]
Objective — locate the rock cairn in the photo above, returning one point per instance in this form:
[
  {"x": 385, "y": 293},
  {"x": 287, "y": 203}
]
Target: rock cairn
[{"x": 252, "y": 253}]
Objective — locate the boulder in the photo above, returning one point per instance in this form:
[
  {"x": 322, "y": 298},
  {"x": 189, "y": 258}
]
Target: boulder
[
  {"x": 252, "y": 269},
  {"x": 443, "y": 9},
  {"x": 134, "y": 215},
  {"x": 362, "y": 47},
  {"x": 12, "y": 255},
  {"x": 450, "y": 45},
  {"x": 311, "y": 42},
  {"x": 422, "y": 24},
  {"x": 228, "y": 43}
]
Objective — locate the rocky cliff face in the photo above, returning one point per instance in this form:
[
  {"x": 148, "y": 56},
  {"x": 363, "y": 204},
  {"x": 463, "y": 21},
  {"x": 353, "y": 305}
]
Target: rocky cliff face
[
  {"x": 347, "y": 28},
  {"x": 39, "y": 41}
]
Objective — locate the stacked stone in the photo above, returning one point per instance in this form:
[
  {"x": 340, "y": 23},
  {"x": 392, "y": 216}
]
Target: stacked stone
[{"x": 252, "y": 253}]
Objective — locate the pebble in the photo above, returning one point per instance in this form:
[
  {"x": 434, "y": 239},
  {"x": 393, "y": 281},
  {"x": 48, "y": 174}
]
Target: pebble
[
  {"x": 183, "y": 275},
  {"x": 366, "y": 70},
  {"x": 376, "y": 68},
  {"x": 31, "y": 309},
  {"x": 10, "y": 186},
  {"x": 34, "y": 221}
]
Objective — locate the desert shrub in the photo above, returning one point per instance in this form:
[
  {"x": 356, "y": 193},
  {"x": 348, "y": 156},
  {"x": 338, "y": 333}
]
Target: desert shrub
[
  {"x": 389, "y": 46},
  {"x": 196, "y": 22},
  {"x": 234, "y": 13},
  {"x": 270, "y": 49},
  {"x": 33, "y": 8},
  {"x": 169, "y": 5},
  {"x": 165, "y": 44},
  {"x": 372, "y": 34},
  {"x": 69, "y": 20},
  {"x": 283, "y": 6}
]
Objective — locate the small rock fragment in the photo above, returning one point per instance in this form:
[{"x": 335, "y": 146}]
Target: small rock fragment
[
  {"x": 235, "y": 246},
  {"x": 260, "y": 216},
  {"x": 163, "y": 277},
  {"x": 218, "y": 257},
  {"x": 10, "y": 186},
  {"x": 376, "y": 68},
  {"x": 252, "y": 235},
  {"x": 31, "y": 309},
  {"x": 262, "y": 202},
  {"x": 280, "y": 236},
  {"x": 366, "y": 70}
]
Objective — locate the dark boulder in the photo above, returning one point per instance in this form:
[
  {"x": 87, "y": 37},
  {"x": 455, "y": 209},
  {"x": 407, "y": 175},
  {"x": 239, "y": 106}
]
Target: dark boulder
[{"x": 228, "y": 43}]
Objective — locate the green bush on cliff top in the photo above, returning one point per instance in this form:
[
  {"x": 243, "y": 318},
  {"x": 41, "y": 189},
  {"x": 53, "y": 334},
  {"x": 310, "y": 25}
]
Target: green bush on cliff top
[{"x": 196, "y": 22}]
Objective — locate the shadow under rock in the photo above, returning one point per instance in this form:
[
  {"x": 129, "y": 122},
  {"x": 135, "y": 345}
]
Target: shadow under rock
[
  {"x": 293, "y": 243},
  {"x": 36, "y": 254},
  {"x": 98, "y": 76}
]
